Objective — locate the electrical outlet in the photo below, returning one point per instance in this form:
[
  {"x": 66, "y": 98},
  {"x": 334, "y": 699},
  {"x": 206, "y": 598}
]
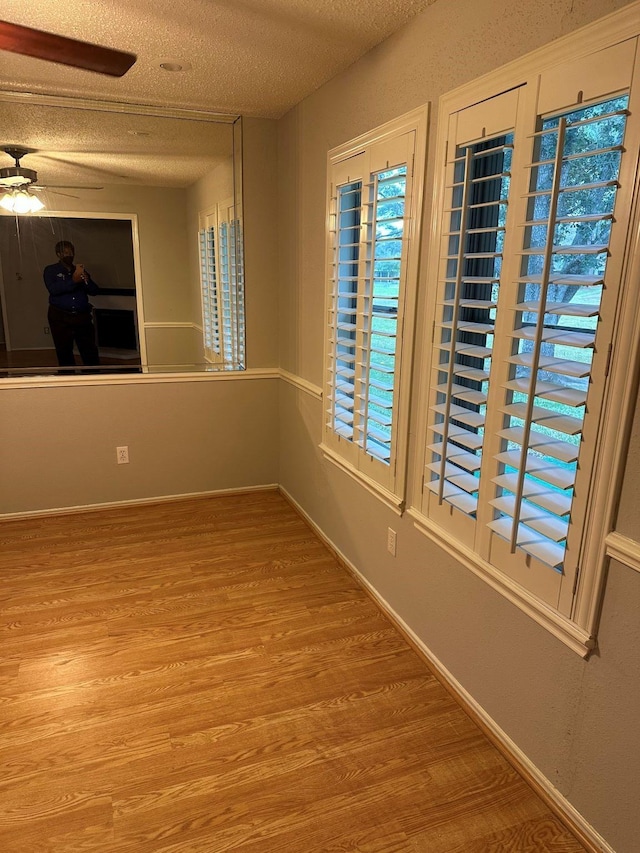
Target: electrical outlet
[
  {"x": 391, "y": 541},
  {"x": 47, "y": 330},
  {"x": 122, "y": 455}
]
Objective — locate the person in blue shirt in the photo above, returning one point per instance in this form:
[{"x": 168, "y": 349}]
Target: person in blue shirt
[{"x": 70, "y": 317}]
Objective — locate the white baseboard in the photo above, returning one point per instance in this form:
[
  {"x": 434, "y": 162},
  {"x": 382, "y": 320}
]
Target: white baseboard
[
  {"x": 561, "y": 807},
  {"x": 69, "y": 510}
]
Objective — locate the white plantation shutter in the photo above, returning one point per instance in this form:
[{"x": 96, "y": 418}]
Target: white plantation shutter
[
  {"x": 237, "y": 243},
  {"x": 470, "y": 273},
  {"x": 210, "y": 291},
  {"x": 532, "y": 241},
  {"x": 385, "y": 251},
  {"x": 564, "y": 259},
  {"x": 222, "y": 281},
  {"x": 371, "y": 219},
  {"x": 551, "y": 388},
  {"x": 346, "y": 215}
]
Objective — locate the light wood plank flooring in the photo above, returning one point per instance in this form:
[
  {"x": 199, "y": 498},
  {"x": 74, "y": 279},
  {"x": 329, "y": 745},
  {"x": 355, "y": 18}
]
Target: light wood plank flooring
[{"x": 202, "y": 676}]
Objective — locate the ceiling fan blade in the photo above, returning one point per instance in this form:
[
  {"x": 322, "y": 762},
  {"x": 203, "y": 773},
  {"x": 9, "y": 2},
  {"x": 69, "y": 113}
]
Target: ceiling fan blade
[
  {"x": 42, "y": 188},
  {"x": 66, "y": 195},
  {"x": 77, "y": 165},
  {"x": 54, "y": 48}
]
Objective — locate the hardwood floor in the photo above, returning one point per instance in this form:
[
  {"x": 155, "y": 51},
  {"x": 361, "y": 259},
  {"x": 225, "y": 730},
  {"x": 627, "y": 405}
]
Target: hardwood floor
[{"x": 202, "y": 676}]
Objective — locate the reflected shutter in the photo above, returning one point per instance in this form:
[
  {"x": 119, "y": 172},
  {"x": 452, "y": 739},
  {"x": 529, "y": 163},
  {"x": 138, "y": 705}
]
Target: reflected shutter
[{"x": 210, "y": 301}]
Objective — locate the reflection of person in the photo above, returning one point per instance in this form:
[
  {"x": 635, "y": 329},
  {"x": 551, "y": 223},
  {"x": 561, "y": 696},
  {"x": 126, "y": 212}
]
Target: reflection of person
[{"x": 70, "y": 317}]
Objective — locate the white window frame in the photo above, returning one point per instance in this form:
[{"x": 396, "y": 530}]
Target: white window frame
[
  {"x": 407, "y": 133},
  {"x": 576, "y": 627}
]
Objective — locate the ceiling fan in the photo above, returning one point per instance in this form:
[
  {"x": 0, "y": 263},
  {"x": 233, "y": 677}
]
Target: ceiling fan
[
  {"x": 54, "y": 48},
  {"x": 17, "y": 177}
]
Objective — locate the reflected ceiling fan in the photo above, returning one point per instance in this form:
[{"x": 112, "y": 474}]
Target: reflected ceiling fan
[
  {"x": 54, "y": 48},
  {"x": 18, "y": 177}
]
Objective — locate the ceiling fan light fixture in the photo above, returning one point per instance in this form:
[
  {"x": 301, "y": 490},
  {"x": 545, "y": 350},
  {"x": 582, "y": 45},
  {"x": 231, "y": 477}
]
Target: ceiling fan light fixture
[
  {"x": 21, "y": 201},
  {"x": 15, "y": 176}
]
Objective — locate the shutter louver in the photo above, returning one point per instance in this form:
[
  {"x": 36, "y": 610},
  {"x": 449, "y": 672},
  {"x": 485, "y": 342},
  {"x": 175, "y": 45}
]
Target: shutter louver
[
  {"x": 574, "y": 178},
  {"x": 209, "y": 283},
  {"x": 385, "y": 237},
  {"x": 347, "y": 209},
  {"x": 464, "y": 327},
  {"x": 226, "y": 272},
  {"x": 238, "y": 301}
]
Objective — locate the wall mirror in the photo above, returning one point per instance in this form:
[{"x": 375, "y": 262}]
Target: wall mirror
[{"x": 152, "y": 201}]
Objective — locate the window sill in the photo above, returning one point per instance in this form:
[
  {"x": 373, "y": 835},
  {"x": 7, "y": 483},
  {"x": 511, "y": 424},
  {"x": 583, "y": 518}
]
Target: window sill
[
  {"x": 391, "y": 500},
  {"x": 576, "y": 638}
]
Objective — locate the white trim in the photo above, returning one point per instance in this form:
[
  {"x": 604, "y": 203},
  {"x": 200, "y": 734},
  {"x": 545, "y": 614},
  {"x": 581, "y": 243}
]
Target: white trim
[
  {"x": 554, "y": 798},
  {"x": 97, "y": 105},
  {"x": 390, "y": 482},
  {"x": 564, "y": 629},
  {"x": 392, "y": 501},
  {"x": 170, "y": 324},
  {"x": 301, "y": 384},
  {"x": 624, "y": 550},
  {"x": 215, "y": 374},
  {"x": 187, "y": 496}
]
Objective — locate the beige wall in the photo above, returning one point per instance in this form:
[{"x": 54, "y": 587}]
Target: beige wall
[
  {"x": 628, "y": 522},
  {"x": 260, "y": 191},
  {"x": 576, "y": 720},
  {"x": 57, "y": 444}
]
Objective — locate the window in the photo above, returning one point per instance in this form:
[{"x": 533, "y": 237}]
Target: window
[
  {"x": 527, "y": 284},
  {"x": 222, "y": 282},
  {"x": 374, "y": 203}
]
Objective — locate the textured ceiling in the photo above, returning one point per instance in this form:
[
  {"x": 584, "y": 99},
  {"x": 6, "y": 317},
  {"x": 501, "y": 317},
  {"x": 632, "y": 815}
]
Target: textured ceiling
[
  {"x": 240, "y": 57},
  {"x": 254, "y": 57},
  {"x": 79, "y": 147}
]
